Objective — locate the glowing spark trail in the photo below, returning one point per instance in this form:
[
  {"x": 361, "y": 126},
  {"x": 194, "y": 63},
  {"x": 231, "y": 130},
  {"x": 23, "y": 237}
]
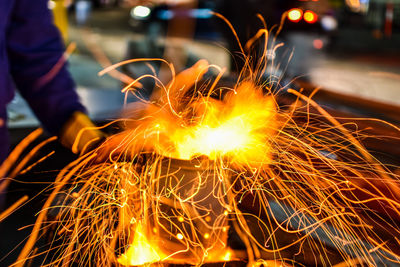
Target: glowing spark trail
[{"x": 198, "y": 161}]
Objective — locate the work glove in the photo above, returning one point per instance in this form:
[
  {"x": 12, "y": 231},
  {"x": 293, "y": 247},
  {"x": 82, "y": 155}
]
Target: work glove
[{"x": 80, "y": 134}]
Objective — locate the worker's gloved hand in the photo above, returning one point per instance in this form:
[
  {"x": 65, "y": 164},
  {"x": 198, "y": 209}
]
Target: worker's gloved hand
[{"x": 80, "y": 134}]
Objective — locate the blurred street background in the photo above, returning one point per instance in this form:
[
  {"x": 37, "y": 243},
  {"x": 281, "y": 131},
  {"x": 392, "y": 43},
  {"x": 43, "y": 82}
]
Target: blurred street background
[{"x": 347, "y": 47}]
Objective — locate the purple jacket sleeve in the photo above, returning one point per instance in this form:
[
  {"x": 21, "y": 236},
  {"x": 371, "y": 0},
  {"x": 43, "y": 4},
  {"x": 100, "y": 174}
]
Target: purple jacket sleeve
[{"x": 34, "y": 48}]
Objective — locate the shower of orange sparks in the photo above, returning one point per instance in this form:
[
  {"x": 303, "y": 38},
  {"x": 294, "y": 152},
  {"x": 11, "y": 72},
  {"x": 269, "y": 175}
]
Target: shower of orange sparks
[{"x": 281, "y": 157}]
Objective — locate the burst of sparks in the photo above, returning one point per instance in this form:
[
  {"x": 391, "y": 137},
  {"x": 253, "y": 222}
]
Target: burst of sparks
[{"x": 179, "y": 175}]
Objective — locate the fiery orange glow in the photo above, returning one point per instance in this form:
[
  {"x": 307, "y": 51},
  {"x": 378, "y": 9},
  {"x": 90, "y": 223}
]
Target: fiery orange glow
[
  {"x": 219, "y": 128},
  {"x": 232, "y": 127},
  {"x": 198, "y": 161},
  {"x": 141, "y": 251}
]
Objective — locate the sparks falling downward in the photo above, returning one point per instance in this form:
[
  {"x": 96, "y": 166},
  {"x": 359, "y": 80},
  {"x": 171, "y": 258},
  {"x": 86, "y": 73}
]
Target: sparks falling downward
[{"x": 168, "y": 188}]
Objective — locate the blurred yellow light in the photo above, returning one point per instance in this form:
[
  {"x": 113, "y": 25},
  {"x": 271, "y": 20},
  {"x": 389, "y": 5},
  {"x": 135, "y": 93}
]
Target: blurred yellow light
[
  {"x": 355, "y": 5},
  {"x": 141, "y": 11},
  {"x": 310, "y": 16},
  {"x": 295, "y": 14},
  {"x": 51, "y": 4},
  {"x": 179, "y": 236},
  {"x": 227, "y": 256}
]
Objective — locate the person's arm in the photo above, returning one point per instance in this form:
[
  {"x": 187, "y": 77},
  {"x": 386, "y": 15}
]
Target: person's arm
[
  {"x": 35, "y": 51},
  {"x": 34, "y": 48}
]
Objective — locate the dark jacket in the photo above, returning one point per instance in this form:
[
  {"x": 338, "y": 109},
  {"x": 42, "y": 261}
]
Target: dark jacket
[{"x": 30, "y": 47}]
